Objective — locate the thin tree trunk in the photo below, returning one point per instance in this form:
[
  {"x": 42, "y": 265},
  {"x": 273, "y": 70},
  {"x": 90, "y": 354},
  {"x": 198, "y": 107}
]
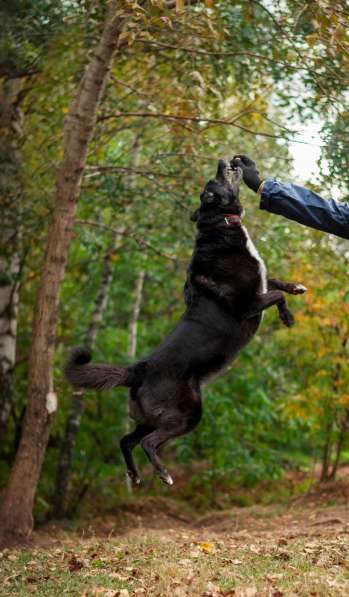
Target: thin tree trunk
[
  {"x": 64, "y": 469},
  {"x": 11, "y": 118},
  {"x": 326, "y": 454},
  {"x": 132, "y": 342},
  {"x": 339, "y": 446},
  {"x": 133, "y": 325},
  {"x": 16, "y": 518}
]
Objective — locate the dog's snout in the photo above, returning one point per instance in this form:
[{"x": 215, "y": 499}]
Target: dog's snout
[
  {"x": 237, "y": 173},
  {"x": 222, "y": 169}
]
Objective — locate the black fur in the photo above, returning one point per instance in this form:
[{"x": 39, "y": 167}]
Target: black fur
[{"x": 224, "y": 309}]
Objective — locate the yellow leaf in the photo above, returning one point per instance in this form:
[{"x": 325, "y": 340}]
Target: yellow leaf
[
  {"x": 207, "y": 547},
  {"x": 179, "y": 4}
]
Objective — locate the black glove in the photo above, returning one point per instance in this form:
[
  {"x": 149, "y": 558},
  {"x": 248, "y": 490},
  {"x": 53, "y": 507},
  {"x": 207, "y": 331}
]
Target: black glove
[{"x": 249, "y": 171}]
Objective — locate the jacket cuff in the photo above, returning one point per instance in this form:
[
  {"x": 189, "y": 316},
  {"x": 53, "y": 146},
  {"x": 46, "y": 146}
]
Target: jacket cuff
[{"x": 267, "y": 186}]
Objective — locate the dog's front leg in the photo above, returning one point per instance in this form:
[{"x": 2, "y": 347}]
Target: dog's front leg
[
  {"x": 269, "y": 299},
  {"x": 219, "y": 290},
  {"x": 274, "y": 284}
]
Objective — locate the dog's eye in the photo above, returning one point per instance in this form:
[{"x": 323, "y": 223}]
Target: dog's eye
[{"x": 208, "y": 197}]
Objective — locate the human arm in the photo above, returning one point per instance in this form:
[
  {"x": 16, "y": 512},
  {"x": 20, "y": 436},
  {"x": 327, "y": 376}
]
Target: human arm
[
  {"x": 306, "y": 207},
  {"x": 296, "y": 202}
]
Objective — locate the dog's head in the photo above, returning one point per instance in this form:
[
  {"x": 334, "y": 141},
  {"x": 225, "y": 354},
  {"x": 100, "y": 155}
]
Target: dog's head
[{"x": 221, "y": 194}]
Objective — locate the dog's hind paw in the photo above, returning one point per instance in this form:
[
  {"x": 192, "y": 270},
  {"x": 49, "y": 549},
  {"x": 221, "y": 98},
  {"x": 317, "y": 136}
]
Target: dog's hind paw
[
  {"x": 135, "y": 480},
  {"x": 166, "y": 478}
]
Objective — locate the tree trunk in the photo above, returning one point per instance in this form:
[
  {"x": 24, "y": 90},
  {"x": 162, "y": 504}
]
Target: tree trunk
[
  {"x": 326, "y": 454},
  {"x": 16, "y": 518},
  {"x": 10, "y": 198},
  {"x": 339, "y": 447},
  {"x": 132, "y": 344},
  {"x": 77, "y": 401},
  {"x": 64, "y": 470},
  {"x": 133, "y": 325}
]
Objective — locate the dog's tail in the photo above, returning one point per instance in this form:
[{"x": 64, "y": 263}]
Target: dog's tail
[{"x": 83, "y": 374}]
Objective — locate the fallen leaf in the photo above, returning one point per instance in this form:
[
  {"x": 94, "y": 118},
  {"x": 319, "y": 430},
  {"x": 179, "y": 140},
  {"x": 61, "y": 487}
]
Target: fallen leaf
[
  {"x": 121, "y": 593},
  {"x": 190, "y": 577},
  {"x": 207, "y": 547},
  {"x": 282, "y": 555},
  {"x": 74, "y": 564},
  {"x": 118, "y": 576},
  {"x": 245, "y": 592},
  {"x": 185, "y": 562}
]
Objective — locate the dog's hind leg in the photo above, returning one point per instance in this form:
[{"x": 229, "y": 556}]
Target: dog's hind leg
[
  {"x": 127, "y": 443},
  {"x": 289, "y": 287},
  {"x": 170, "y": 428}
]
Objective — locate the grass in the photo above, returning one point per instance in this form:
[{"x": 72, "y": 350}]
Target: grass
[
  {"x": 260, "y": 551},
  {"x": 290, "y": 539}
]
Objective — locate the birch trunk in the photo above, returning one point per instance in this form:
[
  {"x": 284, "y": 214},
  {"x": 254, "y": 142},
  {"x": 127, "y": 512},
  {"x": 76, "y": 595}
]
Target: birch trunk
[
  {"x": 132, "y": 343},
  {"x": 16, "y": 518},
  {"x": 10, "y": 189},
  {"x": 133, "y": 325}
]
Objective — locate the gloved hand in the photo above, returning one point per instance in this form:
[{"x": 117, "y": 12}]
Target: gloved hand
[{"x": 249, "y": 171}]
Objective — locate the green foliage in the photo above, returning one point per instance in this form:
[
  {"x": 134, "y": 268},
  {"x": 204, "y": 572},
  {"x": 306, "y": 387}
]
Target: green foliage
[{"x": 158, "y": 137}]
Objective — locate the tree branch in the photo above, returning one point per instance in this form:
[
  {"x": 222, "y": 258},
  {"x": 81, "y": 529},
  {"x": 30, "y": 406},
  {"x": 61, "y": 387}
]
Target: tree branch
[
  {"x": 145, "y": 173},
  {"x": 198, "y": 119},
  {"x": 219, "y": 54},
  {"x": 123, "y": 232}
]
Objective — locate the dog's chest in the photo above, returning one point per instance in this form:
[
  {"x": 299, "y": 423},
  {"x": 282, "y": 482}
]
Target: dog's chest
[{"x": 261, "y": 265}]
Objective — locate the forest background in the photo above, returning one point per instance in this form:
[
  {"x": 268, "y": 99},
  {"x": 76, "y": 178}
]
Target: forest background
[{"x": 113, "y": 116}]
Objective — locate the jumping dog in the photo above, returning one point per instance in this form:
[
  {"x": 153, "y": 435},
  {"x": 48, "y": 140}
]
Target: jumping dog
[{"x": 226, "y": 292}]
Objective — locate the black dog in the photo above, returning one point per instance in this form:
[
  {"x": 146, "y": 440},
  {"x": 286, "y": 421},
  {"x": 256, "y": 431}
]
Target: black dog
[{"x": 226, "y": 291}]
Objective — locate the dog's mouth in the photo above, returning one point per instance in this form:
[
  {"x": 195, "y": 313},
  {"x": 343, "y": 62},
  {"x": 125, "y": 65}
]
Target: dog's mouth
[
  {"x": 223, "y": 190},
  {"x": 229, "y": 176}
]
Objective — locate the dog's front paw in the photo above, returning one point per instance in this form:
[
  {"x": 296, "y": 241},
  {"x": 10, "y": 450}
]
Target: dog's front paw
[
  {"x": 298, "y": 289},
  {"x": 286, "y": 317}
]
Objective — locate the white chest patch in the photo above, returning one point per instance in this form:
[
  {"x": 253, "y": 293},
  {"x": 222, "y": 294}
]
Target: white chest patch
[{"x": 262, "y": 269}]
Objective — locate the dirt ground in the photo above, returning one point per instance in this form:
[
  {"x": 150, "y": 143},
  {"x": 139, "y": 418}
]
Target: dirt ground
[{"x": 150, "y": 547}]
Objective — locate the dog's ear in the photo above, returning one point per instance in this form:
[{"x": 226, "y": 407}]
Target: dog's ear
[{"x": 195, "y": 216}]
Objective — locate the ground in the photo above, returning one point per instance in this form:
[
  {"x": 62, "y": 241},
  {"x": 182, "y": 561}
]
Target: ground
[{"x": 149, "y": 547}]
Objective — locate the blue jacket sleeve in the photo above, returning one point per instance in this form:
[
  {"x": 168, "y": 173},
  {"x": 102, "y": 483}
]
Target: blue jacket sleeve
[{"x": 304, "y": 206}]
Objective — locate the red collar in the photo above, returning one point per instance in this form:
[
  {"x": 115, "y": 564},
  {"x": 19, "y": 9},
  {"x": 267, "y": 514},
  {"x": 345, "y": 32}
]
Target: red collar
[{"x": 232, "y": 219}]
